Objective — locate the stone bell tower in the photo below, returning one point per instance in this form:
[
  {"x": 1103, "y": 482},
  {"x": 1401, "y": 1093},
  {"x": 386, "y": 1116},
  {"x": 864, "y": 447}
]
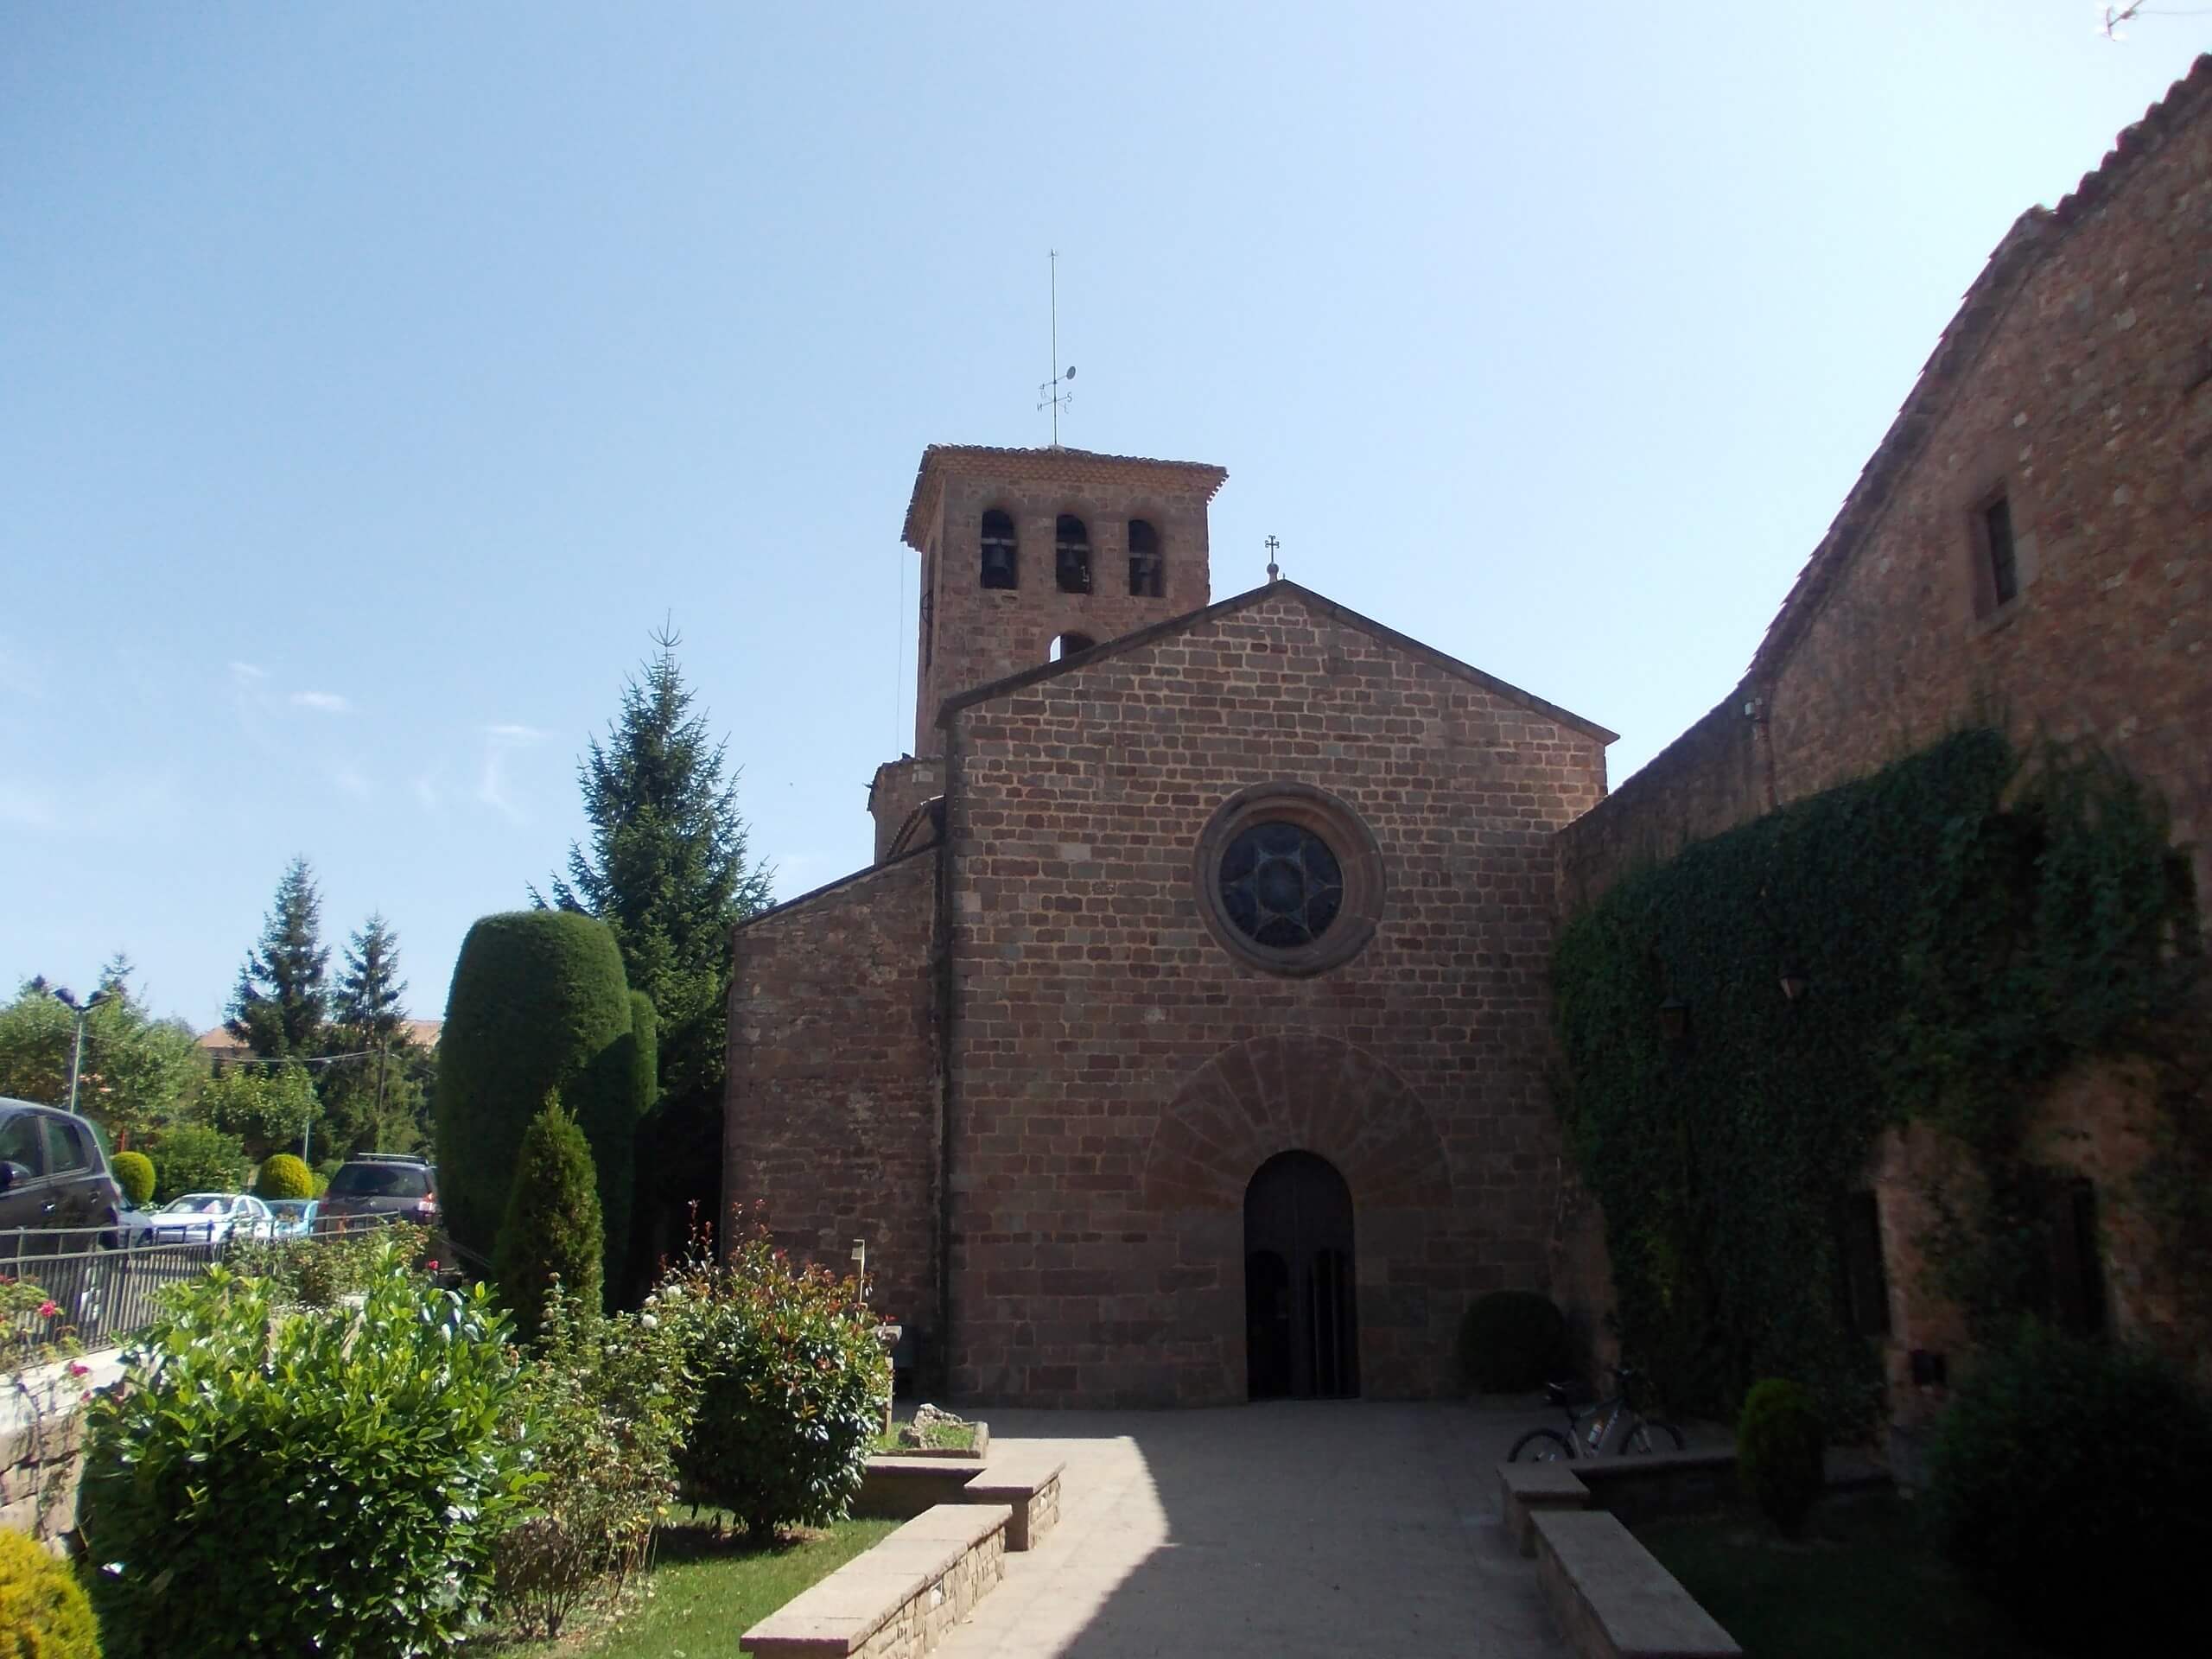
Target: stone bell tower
[{"x": 1028, "y": 554}]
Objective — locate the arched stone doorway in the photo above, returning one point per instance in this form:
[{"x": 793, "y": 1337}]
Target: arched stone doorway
[{"x": 1301, "y": 1327}]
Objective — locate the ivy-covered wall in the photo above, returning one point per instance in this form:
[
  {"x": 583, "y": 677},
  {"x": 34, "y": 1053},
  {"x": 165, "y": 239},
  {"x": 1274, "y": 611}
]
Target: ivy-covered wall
[{"x": 1957, "y": 928}]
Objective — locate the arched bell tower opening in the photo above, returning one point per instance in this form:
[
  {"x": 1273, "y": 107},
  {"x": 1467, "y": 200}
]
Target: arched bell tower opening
[{"x": 1301, "y": 1325}]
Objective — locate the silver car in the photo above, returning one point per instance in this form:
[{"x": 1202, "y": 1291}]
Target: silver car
[{"x": 210, "y": 1218}]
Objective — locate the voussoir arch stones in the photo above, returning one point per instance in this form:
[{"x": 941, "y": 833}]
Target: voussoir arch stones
[{"x": 1267, "y": 1095}]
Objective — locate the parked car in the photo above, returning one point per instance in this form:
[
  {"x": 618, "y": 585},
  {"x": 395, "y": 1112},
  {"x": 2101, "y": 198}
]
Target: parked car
[
  {"x": 211, "y": 1219},
  {"x": 53, "y": 1174},
  {"x": 381, "y": 1186},
  {"x": 293, "y": 1218}
]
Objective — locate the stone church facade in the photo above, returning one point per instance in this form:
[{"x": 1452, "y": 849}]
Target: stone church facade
[{"x": 1187, "y": 1040}]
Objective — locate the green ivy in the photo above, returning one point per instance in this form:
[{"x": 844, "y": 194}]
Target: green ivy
[{"x": 1963, "y": 925}]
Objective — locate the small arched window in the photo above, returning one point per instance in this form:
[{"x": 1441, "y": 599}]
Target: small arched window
[
  {"x": 1001, "y": 557},
  {"x": 1145, "y": 576},
  {"x": 1067, "y": 645},
  {"x": 1071, "y": 554}
]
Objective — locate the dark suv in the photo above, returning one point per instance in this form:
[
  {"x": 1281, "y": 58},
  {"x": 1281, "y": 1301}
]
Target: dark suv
[
  {"x": 382, "y": 1186},
  {"x": 53, "y": 1174}
]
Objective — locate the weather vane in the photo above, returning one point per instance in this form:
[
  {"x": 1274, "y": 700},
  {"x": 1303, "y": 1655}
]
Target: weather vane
[
  {"x": 1274, "y": 570},
  {"x": 1053, "y": 394}
]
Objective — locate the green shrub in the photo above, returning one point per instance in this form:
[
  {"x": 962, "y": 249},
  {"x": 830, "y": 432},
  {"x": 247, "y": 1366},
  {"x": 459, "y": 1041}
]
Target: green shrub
[
  {"x": 134, "y": 1174},
  {"x": 791, "y": 1385},
  {"x": 551, "y": 1235},
  {"x": 2068, "y": 1481},
  {"x": 198, "y": 1158},
  {"x": 44, "y": 1613},
  {"x": 609, "y": 1402},
  {"x": 266, "y": 1107},
  {"x": 1781, "y": 1451},
  {"x": 538, "y": 1003},
  {"x": 330, "y": 1481},
  {"x": 1511, "y": 1341},
  {"x": 283, "y": 1176},
  {"x": 316, "y": 1272}
]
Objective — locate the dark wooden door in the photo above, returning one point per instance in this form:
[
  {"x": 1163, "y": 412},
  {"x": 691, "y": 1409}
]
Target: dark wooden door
[{"x": 1301, "y": 1333}]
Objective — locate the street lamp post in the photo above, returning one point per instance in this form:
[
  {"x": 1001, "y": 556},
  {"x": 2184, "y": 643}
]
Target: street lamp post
[{"x": 77, "y": 1054}]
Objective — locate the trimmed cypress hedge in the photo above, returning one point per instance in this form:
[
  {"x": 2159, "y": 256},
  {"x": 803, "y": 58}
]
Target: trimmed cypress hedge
[
  {"x": 539, "y": 1004},
  {"x": 552, "y": 1227}
]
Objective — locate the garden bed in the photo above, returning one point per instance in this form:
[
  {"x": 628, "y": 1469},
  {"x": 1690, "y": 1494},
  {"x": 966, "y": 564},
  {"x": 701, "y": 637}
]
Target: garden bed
[
  {"x": 937, "y": 1441},
  {"x": 1864, "y": 1579}
]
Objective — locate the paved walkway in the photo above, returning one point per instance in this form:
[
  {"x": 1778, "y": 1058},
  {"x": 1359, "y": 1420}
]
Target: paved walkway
[{"x": 1281, "y": 1530}]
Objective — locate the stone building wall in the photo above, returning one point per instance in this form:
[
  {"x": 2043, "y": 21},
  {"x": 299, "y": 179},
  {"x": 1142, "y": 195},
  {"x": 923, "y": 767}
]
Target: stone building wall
[
  {"x": 975, "y": 635},
  {"x": 832, "y": 1109},
  {"x": 2077, "y": 381},
  {"x": 1116, "y": 1076}
]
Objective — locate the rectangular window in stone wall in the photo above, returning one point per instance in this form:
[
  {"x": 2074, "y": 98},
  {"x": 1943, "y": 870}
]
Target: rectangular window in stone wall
[
  {"x": 2077, "y": 1278},
  {"x": 2004, "y": 561}
]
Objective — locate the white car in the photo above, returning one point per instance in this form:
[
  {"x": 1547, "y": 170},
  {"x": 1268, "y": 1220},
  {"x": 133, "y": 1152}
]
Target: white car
[{"x": 209, "y": 1218}]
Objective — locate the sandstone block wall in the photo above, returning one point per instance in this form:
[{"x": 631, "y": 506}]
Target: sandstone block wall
[
  {"x": 2076, "y": 380},
  {"x": 832, "y": 1106},
  {"x": 1116, "y": 1076},
  {"x": 977, "y": 635}
]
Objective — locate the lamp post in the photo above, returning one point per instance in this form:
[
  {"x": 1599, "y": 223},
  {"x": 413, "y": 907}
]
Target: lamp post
[{"x": 77, "y": 1054}]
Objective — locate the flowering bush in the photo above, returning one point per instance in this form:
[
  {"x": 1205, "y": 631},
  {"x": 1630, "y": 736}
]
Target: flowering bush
[
  {"x": 328, "y": 1481},
  {"x": 792, "y": 1383},
  {"x": 609, "y": 1400},
  {"x": 31, "y": 1327}
]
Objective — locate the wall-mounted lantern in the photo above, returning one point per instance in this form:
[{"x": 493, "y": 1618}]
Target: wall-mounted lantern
[
  {"x": 1794, "y": 982},
  {"x": 1674, "y": 1020}
]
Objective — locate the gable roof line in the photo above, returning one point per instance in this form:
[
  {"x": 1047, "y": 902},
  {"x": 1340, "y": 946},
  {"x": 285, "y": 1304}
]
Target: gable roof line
[
  {"x": 2034, "y": 237},
  {"x": 1126, "y": 643}
]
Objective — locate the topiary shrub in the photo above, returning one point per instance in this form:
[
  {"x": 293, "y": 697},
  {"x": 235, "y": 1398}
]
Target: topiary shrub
[
  {"x": 303, "y": 1481},
  {"x": 43, "y": 1612},
  {"x": 1511, "y": 1341},
  {"x": 551, "y": 1236},
  {"x": 198, "y": 1158},
  {"x": 538, "y": 1003},
  {"x": 134, "y": 1174},
  {"x": 791, "y": 1385},
  {"x": 2063, "y": 1464},
  {"x": 283, "y": 1176},
  {"x": 1782, "y": 1452}
]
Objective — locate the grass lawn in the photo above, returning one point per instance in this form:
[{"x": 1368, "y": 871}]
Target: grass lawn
[
  {"x": 946, "y": 1437},
  {"x": 1862, "y": 1582},
  {"x": 706, "y": 1589}
]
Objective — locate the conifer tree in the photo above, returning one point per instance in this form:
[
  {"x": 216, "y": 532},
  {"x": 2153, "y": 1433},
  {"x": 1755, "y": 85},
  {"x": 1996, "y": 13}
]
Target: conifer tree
[
  {"x": 281, "y": 1001},
  {"x": 667, "y": 869},
  {"x": 365, "y": 1007},
  {"x": 552, "y": 1225}
]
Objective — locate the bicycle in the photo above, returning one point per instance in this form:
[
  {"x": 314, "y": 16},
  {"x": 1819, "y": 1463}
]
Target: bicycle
[{"x": 1615, "y": 1421}]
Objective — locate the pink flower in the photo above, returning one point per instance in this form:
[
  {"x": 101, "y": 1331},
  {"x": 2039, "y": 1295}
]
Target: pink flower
[
  {"x": 75, "y": 1369},
  {"x": 431, "y": 1265},
  {"x": 48, "y": 1310}
]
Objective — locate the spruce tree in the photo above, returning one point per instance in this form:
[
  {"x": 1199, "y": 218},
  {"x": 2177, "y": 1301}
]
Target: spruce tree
[
  {"x": 552, "y": 1225},
  {"x": 370, "y": 1097},
  {"x": 667, "y": 869},
  {"x": 281, "y": 1004}
]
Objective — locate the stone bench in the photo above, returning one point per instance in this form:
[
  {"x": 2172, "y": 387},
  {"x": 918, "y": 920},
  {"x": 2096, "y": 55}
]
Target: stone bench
[
  {"x": 896, "y": 1486},
  {"x": 1525, "y": 1487},
  {"x": 1029, "y": 1484},
  {"x": 1612, "y": 1597},
  {"x": 898, "y": 1600}
]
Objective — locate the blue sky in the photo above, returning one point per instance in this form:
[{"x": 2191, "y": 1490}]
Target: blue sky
[{"x": 372, "y": 379}]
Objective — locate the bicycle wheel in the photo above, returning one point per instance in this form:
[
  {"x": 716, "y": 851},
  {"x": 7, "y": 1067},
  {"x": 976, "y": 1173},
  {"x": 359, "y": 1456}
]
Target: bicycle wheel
[
  {"x": 1541, "y": 1446},
  {"x": 1652, "y": 1435}
]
